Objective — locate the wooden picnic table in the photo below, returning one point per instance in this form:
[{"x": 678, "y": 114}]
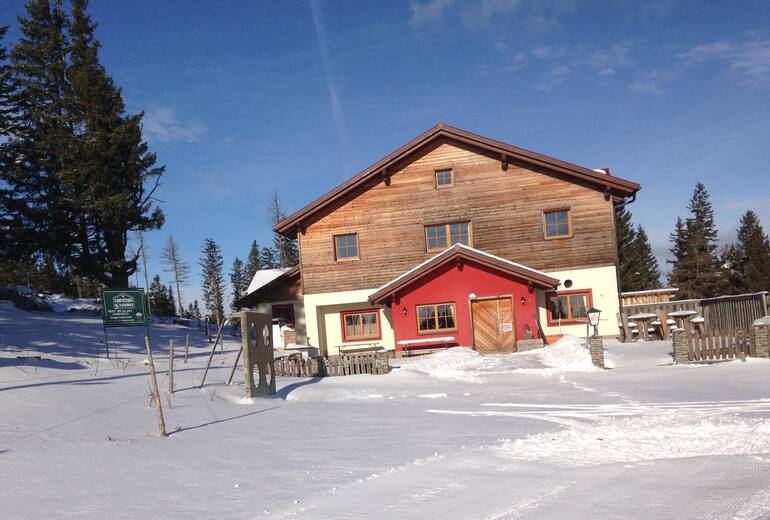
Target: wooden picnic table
[
  {"x": 643, "y": 320},
  {"x": 682, "y": 318}
]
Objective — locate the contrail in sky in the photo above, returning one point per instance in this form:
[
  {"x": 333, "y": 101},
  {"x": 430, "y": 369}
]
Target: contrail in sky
[{"x": 334, "y": 100}]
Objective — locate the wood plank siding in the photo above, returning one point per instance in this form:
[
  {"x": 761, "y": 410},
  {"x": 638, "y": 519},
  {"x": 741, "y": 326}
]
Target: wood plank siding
[
  {"x": 289, "y": 290},
  {"x": 504, "y": 209}
]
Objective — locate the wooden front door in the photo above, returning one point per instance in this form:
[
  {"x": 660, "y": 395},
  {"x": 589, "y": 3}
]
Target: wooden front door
[{"x": 493, "y": 326}]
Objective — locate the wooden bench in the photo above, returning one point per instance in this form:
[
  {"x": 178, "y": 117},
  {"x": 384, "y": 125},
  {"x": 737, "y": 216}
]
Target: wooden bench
[{"x": 413, "y": 347}]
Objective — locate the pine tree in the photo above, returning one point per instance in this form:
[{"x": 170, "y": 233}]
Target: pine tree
[
  {"x": 647, "y": 274},
  {"x": 267, "y": 259},
  {"x": 624, "y": 235},
  {"x": 239, "y": 283},
  {"x": 213, "y": 280},
  {"x": 753, "y": 252},
  {"x": 285, "y": 249},
  {"x": 161, "y": 298},
  {"x": 174, "y": 264},
  {"x": 695, "y": 267},
  {"x": 196, "y": 311},
  {"x": 74, "y": 178},
  {"x": 253, "y": 263}
]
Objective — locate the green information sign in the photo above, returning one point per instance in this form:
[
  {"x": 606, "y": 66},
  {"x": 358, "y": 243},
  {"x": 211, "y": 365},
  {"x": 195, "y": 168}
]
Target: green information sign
[{"x": 124, "y": 307}]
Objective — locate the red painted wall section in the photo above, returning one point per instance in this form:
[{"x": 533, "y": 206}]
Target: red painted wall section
[{"x": 453, "y": 284}]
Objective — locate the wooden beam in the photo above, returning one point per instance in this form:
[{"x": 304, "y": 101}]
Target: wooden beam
[{"x": 503, "y": 162}]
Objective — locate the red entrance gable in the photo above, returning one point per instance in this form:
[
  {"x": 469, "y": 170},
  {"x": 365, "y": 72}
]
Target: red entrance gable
[{"x": 437, "y": 300}]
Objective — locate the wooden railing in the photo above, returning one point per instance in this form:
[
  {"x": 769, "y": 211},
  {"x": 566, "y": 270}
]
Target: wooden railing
[
  {"x": 722, "y": 313},
  {"x": 717, "y": 345},
  {"x": 295, "y": 365}
]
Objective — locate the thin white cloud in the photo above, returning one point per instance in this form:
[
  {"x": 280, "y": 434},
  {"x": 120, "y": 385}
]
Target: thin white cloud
[
  {"x": 161, "y": 124},
  {"x": 583, "y": 61},
  {"x": 750, "y": 59},
  {"x": 430, "y": 12},
  {"x": 334, "y": 98},
  {"x": 651, "y": 82}
]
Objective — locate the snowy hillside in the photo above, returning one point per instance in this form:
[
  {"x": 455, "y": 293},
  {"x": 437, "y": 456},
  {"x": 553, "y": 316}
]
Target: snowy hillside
[{"x": 455, "y": 435}]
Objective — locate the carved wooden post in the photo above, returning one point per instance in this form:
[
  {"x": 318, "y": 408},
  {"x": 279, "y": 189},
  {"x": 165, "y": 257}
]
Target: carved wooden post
[{"x": 248, "y": 356}]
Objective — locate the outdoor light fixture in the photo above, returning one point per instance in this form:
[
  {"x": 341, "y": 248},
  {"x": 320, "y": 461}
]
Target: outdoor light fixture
[
  {"x": 523, "y": 300},
  {"x": 403, "y": 311},
  {"x": 593, "y": 319}
]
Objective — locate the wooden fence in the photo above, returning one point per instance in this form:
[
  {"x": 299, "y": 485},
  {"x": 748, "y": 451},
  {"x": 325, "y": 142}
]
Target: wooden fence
[
  {"x": 734, "y": 312},
  {"x": 358, "y": 363},
  {"x": 723, "y": 313},
  {"x": 717, "y": 345},
  {"x": 295, "y": 365}
]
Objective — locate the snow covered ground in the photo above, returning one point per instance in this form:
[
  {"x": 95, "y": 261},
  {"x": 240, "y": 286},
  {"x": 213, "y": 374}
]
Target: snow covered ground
[{"x": 455, "y": 435}]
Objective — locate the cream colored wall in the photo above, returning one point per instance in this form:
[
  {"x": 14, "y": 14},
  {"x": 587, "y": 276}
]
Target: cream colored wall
[
  {"x": 324, "y": 327},
  {"x": 300, "y": 318},
  {"x": 603, "y": 283}
]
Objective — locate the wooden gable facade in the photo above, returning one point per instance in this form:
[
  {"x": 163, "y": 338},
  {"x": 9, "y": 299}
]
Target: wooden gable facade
[{"x": 501, "y": 196}]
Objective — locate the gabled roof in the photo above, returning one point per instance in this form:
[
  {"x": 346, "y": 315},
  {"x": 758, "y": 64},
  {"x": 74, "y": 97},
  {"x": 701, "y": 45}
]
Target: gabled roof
[
  {"x": 264, "y": 280},
  {"x": 615, "y": 185},
  {"x": 460, "y": 253}
]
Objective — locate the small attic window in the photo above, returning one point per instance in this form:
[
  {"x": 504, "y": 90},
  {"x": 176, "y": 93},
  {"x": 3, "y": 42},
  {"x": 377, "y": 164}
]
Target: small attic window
[{"x": 445, "y": 178}]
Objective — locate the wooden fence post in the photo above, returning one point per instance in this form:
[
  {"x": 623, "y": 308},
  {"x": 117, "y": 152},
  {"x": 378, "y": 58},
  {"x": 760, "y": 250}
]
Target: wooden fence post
[
  {"x": 171, "y": 366},
  {"x": 154, "y": 388},
  {"x": 186, "y": 346}
]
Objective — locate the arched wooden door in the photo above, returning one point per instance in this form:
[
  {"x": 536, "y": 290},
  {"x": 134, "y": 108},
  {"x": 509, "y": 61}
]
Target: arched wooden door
[{"x": 493, "y": 324}]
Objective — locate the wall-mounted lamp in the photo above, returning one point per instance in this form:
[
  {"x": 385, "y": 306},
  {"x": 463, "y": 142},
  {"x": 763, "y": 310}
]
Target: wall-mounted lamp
[
  {"x": 403, "y": 311},
  {"x": 523, "y": 300},
  {"x": 472, "y": 296}
]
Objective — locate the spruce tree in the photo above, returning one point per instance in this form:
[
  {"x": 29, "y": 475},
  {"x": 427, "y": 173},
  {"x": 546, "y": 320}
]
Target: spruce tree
[
  {"x": 285, "y": 249},
  {"x": 695, "y": 267},
  {"x": 254, "y": 262},
  {"x": 238, "y": 282},
  {"x": 171, "y": 258},
  {"x": 753, "y": 252},
  {"x": 161, "y": 298},
  {"x": 624, "y": 235},
  {"x": 211, "y": 263},
  {"x": 267, "y": 258},
  {"x": 76, "y": 166},
  {"x": 196, "y": 310},
  {"x": 647, "y": 273}
]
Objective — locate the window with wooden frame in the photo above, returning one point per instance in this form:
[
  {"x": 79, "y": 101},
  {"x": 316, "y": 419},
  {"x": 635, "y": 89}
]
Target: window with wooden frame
[
  {"x": 439, "y": 317},
  {"x": 557, "y": 223},
  {"x": 346, "y": 246},
  {"x": 361, "y": 325},
  {"x": 567, "y": 307},
  {"x": 284, "y": 311},
  {"x": 445, "y": 178},
  {"x": 439, "y": 237}
]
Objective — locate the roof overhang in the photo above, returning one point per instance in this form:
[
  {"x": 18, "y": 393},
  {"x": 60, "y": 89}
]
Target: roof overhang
[
  {"x": 612, "y": 186},
  {"x": 254, "y": 297},
  {"x": 457, "y": 254}
]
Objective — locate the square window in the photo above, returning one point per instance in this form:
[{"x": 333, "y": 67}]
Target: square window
[
  {"x": 346, "y": 246},
  {"x": 445, "y": 178},
  {"x": 441, "y": 236},
  {"x": 571, "y": 306},
  {"x": 360, "y": 325},
  {"x": 436, "y": 318},
  {"x": 557, "y": 224}
]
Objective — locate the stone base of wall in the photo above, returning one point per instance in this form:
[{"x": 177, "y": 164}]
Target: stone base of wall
[
  {"x": 528, "y": 344},
  {"x": 596, "y": 347},
  {"x": 681, "y": 347},
  {"x": 761, "y": 340}
]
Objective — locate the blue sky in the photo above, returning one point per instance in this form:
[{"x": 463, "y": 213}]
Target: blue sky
[{"x": 246, "y": 98}]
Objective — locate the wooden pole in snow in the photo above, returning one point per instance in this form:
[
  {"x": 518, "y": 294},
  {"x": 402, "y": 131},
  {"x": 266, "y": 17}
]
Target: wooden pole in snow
[
  {"x": 154, "y": 388},
  {"x": 186, "y": 346},
  {"x": 211, "y": 355},
  {"x": 171, "y": 366}
]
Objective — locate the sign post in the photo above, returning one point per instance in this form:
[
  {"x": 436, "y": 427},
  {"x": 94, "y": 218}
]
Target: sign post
[{"x": 123, "y": 308}]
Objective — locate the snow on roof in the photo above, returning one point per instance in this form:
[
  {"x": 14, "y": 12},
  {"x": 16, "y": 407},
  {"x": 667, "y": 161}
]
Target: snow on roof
[
  {"x": 467, "y": 248},
  {"x": 264, "y": 277},
  {"x": 650, "y": 291},
  {"x": 762, "y": 321}
]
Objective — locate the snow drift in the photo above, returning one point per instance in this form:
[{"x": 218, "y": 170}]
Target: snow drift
[{"x": 569, "y": 354}]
